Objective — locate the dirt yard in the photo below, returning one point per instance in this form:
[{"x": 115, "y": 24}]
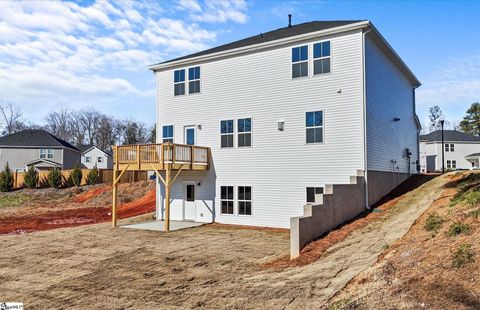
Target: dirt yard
[
  {"x": 25, "y": 210},
  {"x": 435, "y": 265},
  {"x": 211, "y": 266}
]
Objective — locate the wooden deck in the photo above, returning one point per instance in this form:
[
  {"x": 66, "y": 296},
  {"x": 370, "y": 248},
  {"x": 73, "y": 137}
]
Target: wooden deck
[{"x": 161, "y": 157}]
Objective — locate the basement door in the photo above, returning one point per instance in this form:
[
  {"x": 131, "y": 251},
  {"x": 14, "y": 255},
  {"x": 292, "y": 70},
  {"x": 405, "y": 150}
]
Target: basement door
[{"x": 189, "y": 201}]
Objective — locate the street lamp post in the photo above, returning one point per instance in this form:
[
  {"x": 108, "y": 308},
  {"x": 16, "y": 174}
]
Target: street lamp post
[{"x": 443, "y": 147}]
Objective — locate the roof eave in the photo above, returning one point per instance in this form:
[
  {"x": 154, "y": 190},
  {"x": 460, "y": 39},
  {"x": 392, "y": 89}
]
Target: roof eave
[{"x": 245, "y": 49}]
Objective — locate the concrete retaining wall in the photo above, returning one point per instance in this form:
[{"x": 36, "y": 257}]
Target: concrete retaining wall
[
  {"x": 340, "y": 203},
  {"x": 380, "y": 183}
]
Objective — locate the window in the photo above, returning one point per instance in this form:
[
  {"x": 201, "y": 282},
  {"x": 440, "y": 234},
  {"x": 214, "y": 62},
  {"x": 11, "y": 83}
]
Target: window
[
  {"x": 451, "y": 164},
  {"x": 244, "y": 132},
  {"x": 179, "y": 82},
  {"x": 99, "y": 159},
  {"x": 226, "y": 133},
  {"x": 312, "y": 193},
  {"x": 321, "y": 57},
  {"x": 314, "y": 126},
  {"x": 87, "y": 159},
  {"x": 300, "y": 61},
  {"x": 194, "y": 80},
  {"x": 167, "y": 135},
  {"x": 244, "y": 200},
  {"x": 226, "y": 199},
  {"x": 449, "y": 147},
  {"x": 46, "y": 153}
]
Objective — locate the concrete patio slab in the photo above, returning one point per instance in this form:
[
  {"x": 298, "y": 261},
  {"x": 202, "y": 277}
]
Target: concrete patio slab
[{"x": 160, "y": 225}]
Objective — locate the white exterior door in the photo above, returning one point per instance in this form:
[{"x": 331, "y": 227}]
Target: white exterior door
[
  {"x": 189, "y": 201},
  {"x": 189, "y": 135}
]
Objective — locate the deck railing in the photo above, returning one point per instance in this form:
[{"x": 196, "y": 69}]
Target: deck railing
[{"x": 166, "y": 153}]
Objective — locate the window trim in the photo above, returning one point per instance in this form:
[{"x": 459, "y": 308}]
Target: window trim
[
  {"x": 182, "y": 82},
  {"x": 323, "y": 127},
  {"x": 237, "y": 201},
  {"x": 100, "y": 159},
  {"x": 313, "y": 58},
  {"x": 199, "y": 80},
  {"x": 173, "y": 133},
  {"x": 87, "y": 159},
  {"x": 233, "y": 200},
  {"x": 224, "y": 134},
  {"x": 46, "y": 153},
  {"x": 237, "y": 133},
  {"x": 300, "y": 61}
]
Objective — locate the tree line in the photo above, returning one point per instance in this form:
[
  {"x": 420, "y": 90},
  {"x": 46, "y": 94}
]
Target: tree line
[
  {"x": 86, "y": 126},
  {"x": 469, "y": 124}
]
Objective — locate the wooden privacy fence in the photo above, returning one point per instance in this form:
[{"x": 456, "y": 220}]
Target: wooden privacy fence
[{"x": 105, "y": 176}]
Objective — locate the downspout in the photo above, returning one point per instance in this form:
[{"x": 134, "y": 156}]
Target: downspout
[
  {"x": 417, "y": 167},
  {"x": 365, "y": 158}
]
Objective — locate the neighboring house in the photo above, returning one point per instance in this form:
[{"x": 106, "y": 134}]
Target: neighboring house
[
  {"x": 93, "y": 156},
  {"x": 320, "y": 112},
  {"x": 37, "y": 148},
  {"x": 461, "y": 151}
]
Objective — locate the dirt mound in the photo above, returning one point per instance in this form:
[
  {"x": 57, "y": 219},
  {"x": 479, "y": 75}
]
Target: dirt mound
[
  {"x": 146, "y": 204},
  {"x": 83, "y": 197}
]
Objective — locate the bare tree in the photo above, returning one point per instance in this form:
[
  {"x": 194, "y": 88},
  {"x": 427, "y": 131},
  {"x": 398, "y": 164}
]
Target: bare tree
[
  {"x": 60, "y": 123},
  {"x": 107, "y": 133},
  {"x": 11, "y": 118},
  {"x": 88, "y": 122}
]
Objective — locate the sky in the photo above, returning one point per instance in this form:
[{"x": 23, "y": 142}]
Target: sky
[{"x": 87, "y": 54}]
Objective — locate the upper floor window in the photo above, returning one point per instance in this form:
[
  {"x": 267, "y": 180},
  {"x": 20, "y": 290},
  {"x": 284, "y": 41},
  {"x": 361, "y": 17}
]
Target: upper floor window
[
  {"x": 314, "y": 126},
  {"x": 449, "y": 147},
  {"x": 226, "y": 133},
  {"x": 46, "y": 153},
  {"x": 321, "y": 57},
  {"x": 244, "y": 132},
  {"x": 179, "y": 82},
  {"x": 194, "y": 80},
  {"x": 99, "y": 159},
  {"x": 300, "y": 61},
  {"x": 167, "y": 135},
  {"x": 87, "y": 159}
]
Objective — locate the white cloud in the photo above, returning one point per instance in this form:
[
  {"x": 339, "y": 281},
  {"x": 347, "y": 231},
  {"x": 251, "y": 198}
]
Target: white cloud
[
  {"x": 453, "y": 87},
  {"x": 216, "y": 11},
  {"x": 55, "y": 52}
]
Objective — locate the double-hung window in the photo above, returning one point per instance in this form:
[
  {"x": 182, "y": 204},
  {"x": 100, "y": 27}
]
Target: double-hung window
[
  {"x": 179, "y": 82},
  {"x": 167, "y": 134},
  {"x": 321, "y": 57},
  {"x": 451, "y": 164},
  {"x": 194, "y": 80},
  {"x": 87, "y": 159},
  {"x": 244, "y": 128},
  {"x": 46, "y": 153},
  {"x": 244, "y": 200},
  {"x": 226, "y": 133},
  {"x": 314, "y": 126},
  {"x": 313, "y": 194},
  {"x": 449, "y": 147},
  {"x": 50, "y": 153},
  {"x": 99, "y": 159},
  {"x": 300, "y": 61},
  {"x": 226, "y": 199}
]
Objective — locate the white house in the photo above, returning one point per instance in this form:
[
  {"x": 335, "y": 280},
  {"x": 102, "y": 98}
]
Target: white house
[
  {"x": 93, "y": 156},
  {"x": 308, "y": 125},
  {"x": 461, "y": 151}
]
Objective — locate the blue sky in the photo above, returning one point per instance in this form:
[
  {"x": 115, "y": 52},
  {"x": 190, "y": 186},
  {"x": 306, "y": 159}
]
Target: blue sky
[{"x": 95, "y": 54}]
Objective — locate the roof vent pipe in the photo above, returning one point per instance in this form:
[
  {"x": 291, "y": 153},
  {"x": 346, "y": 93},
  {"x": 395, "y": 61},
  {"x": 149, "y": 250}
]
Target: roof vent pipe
[{"x": 289, "y": 20}]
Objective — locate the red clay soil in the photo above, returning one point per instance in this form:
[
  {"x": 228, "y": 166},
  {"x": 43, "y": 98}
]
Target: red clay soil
[
  {"x": 83, "y": 197},
  {"x": 314, "y": 250},
  {"x": 77, "y": 216}
]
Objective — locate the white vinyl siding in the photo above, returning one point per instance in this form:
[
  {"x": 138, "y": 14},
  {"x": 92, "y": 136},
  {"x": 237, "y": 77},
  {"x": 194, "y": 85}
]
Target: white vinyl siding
[
  {"x": 276, "y": 157},
  {"x": 389, "y": 96}
]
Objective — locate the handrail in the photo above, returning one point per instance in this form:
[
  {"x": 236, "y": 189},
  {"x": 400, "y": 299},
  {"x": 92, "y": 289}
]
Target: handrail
[{"x": 162, "y": 153}]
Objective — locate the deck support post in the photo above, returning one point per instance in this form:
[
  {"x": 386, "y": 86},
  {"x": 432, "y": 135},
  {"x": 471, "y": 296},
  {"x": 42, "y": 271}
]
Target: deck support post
[
  {"x": 114, "y": 190},
  {"x": 167, "y": 197}
]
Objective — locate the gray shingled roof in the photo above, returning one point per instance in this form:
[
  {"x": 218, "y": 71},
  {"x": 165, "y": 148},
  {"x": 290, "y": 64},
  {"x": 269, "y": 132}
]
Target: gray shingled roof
[
  {"x": 449, "y": 135},
  {"x": 280, "y": 33},
  {"x": 84, "y": 147},
  {"x": 34, "y": 137}
]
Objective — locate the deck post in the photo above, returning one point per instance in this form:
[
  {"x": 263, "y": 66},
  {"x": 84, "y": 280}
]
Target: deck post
[
  {"x": 114, "y": 190},
  {"x": 167, "y": 197}
]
